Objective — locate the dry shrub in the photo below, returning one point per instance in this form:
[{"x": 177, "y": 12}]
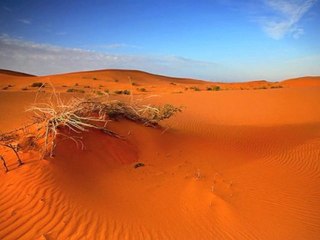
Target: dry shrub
[
  {"x": 82, "y": 114},
  {"x": 55, "y": 114},
  {"x": 147, "y": 114},
  {"x": 38, "y": 84}
]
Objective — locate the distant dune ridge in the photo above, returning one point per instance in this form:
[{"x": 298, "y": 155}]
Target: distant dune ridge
[
  {"x": 14, "y": 73},
  {"x": 241, "y": 161},
  {"x": 135, "y": 77}
]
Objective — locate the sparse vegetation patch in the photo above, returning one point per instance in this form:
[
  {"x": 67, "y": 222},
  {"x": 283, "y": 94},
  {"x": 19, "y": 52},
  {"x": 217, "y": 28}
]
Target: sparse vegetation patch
[
  {"x": 278, "y": 86},
  {"x": 99, "y": 93},
  {"x": 7, "y": 87},
  {"x": 260, "y": 88},
  {"x": 125, "y": 92},
  {"x": 142, "y": 89},
  {"x": 214, "y": 88},
  {"x": 195, "y": 88},
  {"x": 38, "y": 84},
  {"x": 75, "y": 90}
]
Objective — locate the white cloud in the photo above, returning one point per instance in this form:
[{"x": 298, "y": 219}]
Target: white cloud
[
  {"x": 25, "y": 21},
  {"x": 286, "y": 15},
  {"x": 117, "y": 45},
  {"x": 44, "y": 59}
]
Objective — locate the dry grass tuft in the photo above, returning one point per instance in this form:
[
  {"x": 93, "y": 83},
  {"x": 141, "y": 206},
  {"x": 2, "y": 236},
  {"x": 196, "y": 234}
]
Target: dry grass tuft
[
  {"x": 38, "y": 84},
  {"x": 149, "y": 115}
]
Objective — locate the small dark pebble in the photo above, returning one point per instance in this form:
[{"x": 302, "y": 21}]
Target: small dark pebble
[{"x": 138, "y": 165}]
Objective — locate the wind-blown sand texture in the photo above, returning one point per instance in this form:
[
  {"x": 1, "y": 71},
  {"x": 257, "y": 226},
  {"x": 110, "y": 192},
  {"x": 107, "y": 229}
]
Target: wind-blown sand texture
[{"x": 239, "y": 163}]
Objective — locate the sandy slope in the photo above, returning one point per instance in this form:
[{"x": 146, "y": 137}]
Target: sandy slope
[
  {"x": 233, "y": 165},
  {"x": 14, "y": 73},
  {"x": 302, "y": 82}
]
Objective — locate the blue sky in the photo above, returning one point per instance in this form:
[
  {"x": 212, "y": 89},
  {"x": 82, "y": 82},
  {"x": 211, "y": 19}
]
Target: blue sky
[{"x": 219, "y": 40}]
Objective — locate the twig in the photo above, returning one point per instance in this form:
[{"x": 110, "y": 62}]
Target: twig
[
  {"x": 15, "y": 150},
  {"x": 4, "y": 164}
]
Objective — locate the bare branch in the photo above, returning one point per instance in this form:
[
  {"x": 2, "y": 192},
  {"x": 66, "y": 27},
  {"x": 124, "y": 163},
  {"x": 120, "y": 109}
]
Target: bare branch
[
  {"x": 14, "y": 148},
  {"x": 4, "y": 164}
]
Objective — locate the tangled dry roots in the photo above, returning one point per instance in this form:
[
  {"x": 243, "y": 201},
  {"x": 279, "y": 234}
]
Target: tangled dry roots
[{"x": 82, "y": 114}]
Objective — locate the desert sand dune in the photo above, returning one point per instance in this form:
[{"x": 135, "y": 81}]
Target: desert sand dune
[
  {"x": 15, "y": 73},
  {"x": 232, "y": 165},
  {"x": 302, "y": 82}
]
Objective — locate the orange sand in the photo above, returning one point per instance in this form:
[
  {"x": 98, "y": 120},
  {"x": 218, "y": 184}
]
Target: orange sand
[{"x": 233, "y": 165}]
